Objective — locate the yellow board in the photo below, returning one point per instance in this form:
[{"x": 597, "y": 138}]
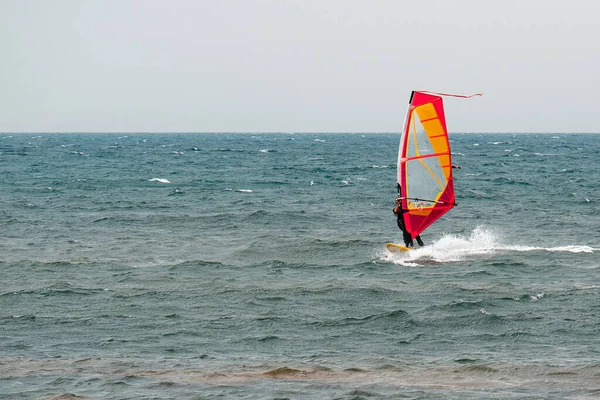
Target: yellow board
[{"x": 394, "y": 248}]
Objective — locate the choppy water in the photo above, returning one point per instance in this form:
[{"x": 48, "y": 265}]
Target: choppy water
[{"x": 217, "y": 266}]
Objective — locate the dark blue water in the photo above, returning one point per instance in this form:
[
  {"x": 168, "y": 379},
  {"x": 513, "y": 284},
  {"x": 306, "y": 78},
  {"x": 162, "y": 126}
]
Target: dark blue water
[{"x": 217, "y": 266}]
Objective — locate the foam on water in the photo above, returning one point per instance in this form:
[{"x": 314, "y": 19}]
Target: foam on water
[
  {"x": 563, "y": 249},
  {"x": 450, "y": 248},
  {"x": 481, "y": 241}
]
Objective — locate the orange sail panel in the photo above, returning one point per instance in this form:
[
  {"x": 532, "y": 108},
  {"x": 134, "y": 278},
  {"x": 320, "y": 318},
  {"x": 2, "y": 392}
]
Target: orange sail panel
[{"x": 425, "y": 163}]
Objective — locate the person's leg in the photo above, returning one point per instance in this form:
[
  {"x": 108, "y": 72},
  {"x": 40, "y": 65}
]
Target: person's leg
[
  {"x": 407, "y": 239},
  {"x": 405, "y": 235},
  {"x": 419, "y": 241}
]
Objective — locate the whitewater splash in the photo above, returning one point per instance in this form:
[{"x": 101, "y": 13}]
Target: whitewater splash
[{"x": 481, "y": 241}]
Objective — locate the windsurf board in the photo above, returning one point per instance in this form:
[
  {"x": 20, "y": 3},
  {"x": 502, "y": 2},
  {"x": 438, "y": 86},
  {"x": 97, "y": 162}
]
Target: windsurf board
[{"x": 395, "y": 248}]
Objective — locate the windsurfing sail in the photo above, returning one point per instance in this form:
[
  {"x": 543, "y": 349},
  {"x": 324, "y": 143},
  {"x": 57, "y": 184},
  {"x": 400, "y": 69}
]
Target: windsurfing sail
[{"x": 425, "y": 182}]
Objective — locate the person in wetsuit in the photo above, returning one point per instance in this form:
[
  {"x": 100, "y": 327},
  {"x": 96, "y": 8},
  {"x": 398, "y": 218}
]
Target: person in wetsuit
[{"x": 408, "y": 242}]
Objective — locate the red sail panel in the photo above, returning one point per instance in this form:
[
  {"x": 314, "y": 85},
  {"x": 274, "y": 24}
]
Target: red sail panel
[{"x": 425, "y": 163}]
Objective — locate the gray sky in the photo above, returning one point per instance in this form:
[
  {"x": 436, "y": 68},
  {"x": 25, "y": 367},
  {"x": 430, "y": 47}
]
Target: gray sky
[{"x": 296, "y": 65}]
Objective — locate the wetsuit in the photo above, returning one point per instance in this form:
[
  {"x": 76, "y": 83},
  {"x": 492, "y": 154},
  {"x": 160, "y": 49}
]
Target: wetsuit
[{"x": 408, "y": 242}]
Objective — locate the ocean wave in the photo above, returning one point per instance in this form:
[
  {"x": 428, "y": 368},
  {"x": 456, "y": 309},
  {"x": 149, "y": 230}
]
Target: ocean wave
[
  {"x": 460, "y": 305},
  {"x": 447, "y": 379},
  {"x": 230, "y": 150},
  {"x": 395, "y": 318},
  {"x": 24, "y": 317},
  {"x": 193, "y": 264}
]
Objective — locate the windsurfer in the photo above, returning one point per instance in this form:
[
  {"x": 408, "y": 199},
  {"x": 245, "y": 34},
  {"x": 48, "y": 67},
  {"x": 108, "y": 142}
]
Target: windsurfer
[{"x": 399, "y": 211}]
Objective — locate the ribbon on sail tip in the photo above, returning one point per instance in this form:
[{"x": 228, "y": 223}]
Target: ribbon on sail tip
[{"x": 450, "y": 94}]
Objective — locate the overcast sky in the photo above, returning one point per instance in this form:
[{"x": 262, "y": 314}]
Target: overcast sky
[{"x": 296, "y": 65}]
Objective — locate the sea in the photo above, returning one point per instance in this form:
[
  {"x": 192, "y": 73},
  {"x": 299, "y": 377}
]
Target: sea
[{"x": 254, "y": 266}]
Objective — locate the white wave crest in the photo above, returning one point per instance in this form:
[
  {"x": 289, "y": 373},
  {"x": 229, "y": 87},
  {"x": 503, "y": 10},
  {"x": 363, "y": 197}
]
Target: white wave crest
[
  {"x": 161, "y": 180},
  {"x": 561, "y": 249}
]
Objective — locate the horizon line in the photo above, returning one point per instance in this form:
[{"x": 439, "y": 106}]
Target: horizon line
[{"x": 280, "y": 132}]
